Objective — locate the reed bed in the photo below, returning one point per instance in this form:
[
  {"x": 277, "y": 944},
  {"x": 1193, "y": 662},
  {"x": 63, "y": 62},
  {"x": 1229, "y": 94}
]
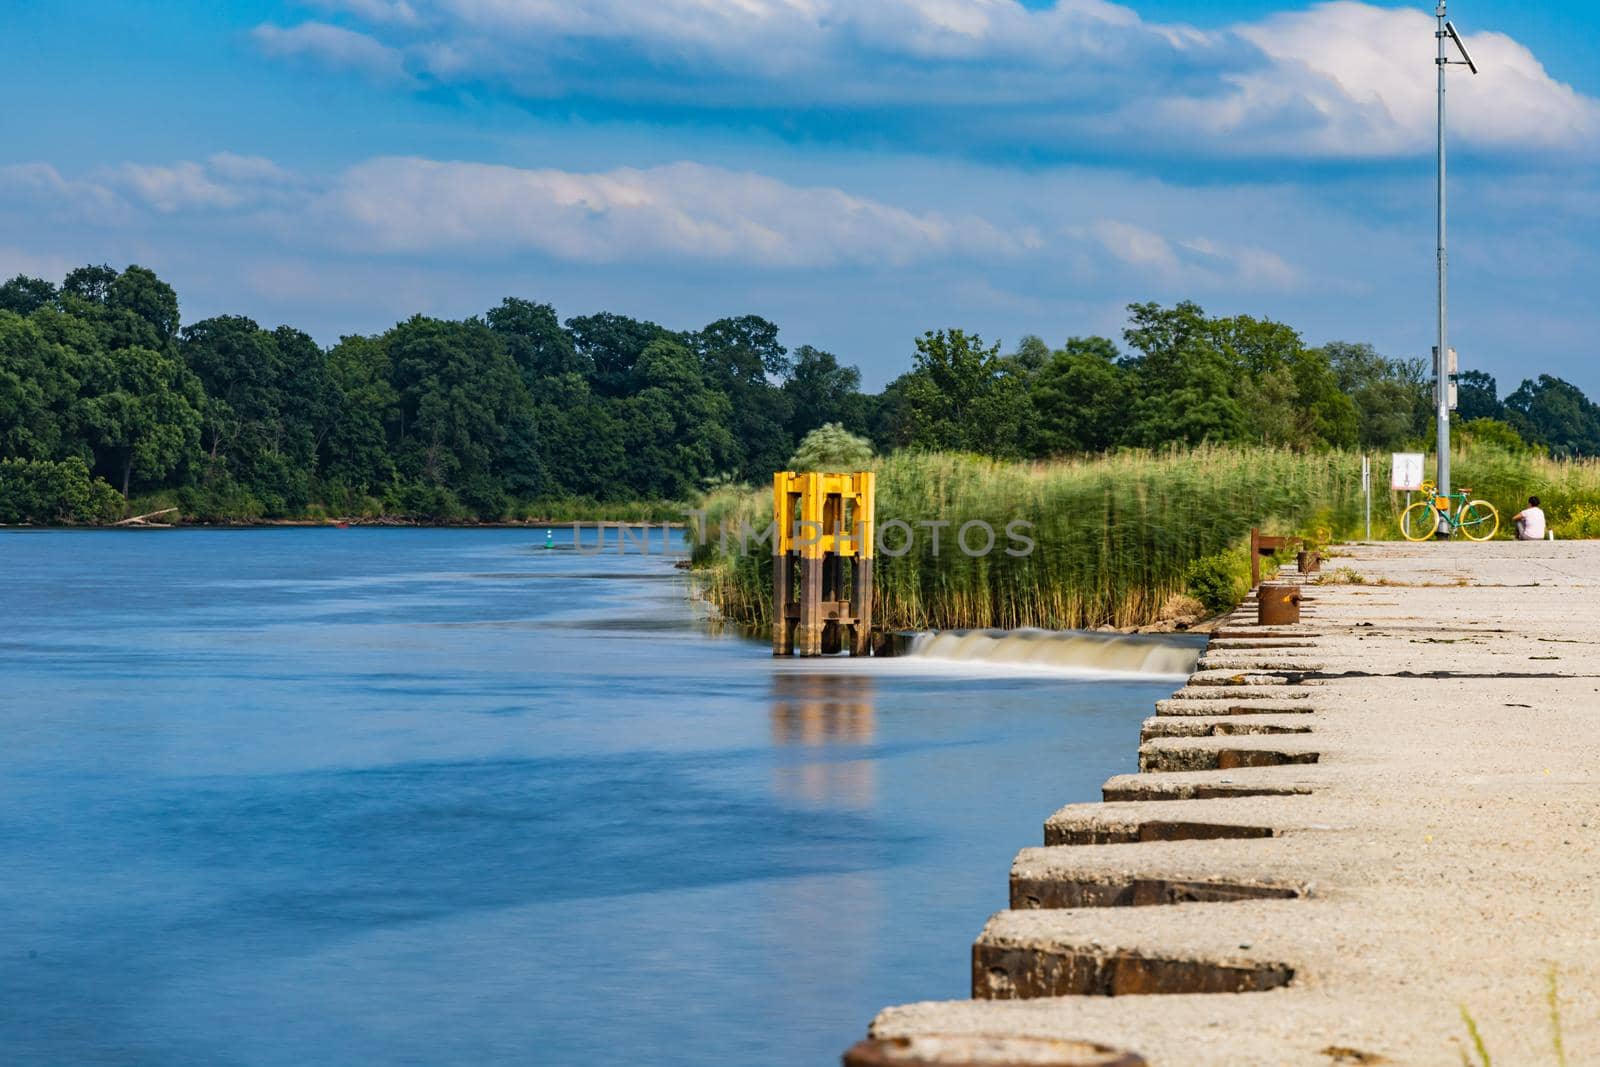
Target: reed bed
[{"x": 1114, "y": 535}]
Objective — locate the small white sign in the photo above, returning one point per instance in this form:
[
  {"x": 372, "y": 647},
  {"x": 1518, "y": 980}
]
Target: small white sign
[{"x": 1405, "y": 474}]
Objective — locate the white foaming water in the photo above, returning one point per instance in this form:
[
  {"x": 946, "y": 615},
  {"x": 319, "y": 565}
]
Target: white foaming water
[{"x": 1079, "y": 651}]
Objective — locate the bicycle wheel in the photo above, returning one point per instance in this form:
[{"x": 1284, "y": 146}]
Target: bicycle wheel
[
  {"x": 1479, "y": 520},
  {"x": 1419, "y": 521}
]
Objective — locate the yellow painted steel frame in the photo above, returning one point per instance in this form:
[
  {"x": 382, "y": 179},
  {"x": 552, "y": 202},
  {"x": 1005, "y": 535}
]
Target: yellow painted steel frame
[{"x": 822, "y": 520}]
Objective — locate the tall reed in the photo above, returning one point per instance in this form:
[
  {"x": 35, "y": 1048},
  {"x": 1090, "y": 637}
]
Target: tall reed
[{"x": 1113, "y": 534}]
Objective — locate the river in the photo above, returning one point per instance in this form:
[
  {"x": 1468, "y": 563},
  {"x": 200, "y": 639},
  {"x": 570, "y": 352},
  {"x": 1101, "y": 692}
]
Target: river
[{"x": 399, "y": 796}]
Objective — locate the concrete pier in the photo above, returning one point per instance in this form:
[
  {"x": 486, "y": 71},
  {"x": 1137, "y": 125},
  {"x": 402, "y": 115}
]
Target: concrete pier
[{"x": 1344, "y": 832}]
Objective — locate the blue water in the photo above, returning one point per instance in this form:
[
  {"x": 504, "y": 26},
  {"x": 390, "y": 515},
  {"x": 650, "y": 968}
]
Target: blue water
[{"x": 318, "y": 796}]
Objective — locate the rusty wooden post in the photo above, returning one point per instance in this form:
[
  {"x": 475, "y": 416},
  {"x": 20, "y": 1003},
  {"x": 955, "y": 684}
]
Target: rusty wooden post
[{"x": 1255, "y": 556}]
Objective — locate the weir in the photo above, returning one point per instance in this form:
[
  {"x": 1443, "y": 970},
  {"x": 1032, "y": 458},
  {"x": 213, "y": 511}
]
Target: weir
[{"x": 1068, "y": 650}]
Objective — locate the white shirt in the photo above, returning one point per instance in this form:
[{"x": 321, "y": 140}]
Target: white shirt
[{"x": 1533, "y": 524}]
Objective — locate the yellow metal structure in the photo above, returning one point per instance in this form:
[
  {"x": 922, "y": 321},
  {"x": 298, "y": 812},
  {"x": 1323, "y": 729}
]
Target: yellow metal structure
[{"x": 824, "y": 521}]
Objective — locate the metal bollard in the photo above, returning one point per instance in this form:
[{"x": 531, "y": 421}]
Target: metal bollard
[
  {"x": 1277, "y": 605},
  {"x": 1310, "y": 562}
]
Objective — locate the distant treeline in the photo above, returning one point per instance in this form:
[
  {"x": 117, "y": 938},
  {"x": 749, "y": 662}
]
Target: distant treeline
[{"x": 102, "y": 394}]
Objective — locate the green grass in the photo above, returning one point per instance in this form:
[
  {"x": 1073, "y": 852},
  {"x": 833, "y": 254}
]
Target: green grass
[
  {"x": 1552, "y": 997},
  {"x": 1116, "y": 535}
]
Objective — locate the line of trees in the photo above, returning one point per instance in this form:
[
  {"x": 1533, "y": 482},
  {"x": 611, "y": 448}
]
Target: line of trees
[{"x": 104, "y": 396}]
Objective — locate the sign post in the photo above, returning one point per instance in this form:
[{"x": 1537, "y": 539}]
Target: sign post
[
  {"x": 1366, "y": 490},
  {"x": 1405, "y": 473}
]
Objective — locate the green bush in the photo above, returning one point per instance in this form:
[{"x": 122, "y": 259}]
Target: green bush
[
  {"x": 831, "y": 447},
  {"x": 1218, "y": 581},
  {"x": 1581, "y": 522},
  {"x": 52, "y": 491}
]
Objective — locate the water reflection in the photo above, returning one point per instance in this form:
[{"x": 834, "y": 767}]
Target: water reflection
[
  {"x": 821, "y": 709},
  {"x": 823, "y": 712}
]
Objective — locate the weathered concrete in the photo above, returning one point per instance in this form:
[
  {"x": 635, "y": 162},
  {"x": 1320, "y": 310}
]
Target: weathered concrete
[{"x": 1440, "y": 852}]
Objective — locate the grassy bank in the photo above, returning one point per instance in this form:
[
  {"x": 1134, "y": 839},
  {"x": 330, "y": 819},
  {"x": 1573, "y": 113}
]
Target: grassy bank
[{"x": 1116, "y": 536}]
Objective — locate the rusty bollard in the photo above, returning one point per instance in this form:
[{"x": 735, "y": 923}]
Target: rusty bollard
[
  {"x": 1277, "y": 605},
  {"x": 1310, "y": 562},
  {"x": 969, "y": 1050}
]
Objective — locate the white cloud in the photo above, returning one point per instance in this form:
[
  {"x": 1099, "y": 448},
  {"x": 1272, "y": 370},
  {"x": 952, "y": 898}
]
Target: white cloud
[
  {"x": 40, "y": 188},
  {"x": 333, "y": 46},
  {"x": 1135, "y": 245},
  {"x": 1368, "y": 78},
  {"x": 412, "y": 209},
  {"x": 224, "y": 181},
  {"x": 398, "y": 12},
  {"x": 259, "y": 169},
  {"x": 1340, "y": 79},
  {"x": 679, "y": 211},
  {"x": 179, "y": 186}
]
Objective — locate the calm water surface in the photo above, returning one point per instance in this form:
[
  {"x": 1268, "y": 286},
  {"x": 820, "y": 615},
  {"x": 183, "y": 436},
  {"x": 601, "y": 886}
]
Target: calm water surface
[{"x": 317, "y": 796}]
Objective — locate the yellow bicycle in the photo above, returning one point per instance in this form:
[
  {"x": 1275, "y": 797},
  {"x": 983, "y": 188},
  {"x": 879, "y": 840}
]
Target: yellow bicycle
[{"x": 1440, "y": 513}]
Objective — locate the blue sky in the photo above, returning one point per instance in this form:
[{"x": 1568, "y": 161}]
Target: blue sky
[{"x": 856, "y": 170}]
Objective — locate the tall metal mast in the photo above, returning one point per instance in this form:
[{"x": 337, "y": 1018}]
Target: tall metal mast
[{"x": 1441, "y": 358}]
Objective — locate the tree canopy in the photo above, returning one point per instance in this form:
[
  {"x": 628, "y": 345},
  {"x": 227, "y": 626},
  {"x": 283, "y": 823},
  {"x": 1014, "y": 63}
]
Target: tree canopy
[{"x": 104, "y": 391}]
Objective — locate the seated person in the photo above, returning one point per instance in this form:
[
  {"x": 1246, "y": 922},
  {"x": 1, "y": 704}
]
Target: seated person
[{"x": 1530, "y": 521}]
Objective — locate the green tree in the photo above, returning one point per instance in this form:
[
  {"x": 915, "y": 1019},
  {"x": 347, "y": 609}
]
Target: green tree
[
  {"x": 675, "y": 428},
  {"x": 742, "y": 359},
  {"x": 359, "y": 453},
  {"x": 139, "y": 411},
  {"x": 1555, "y": 413},
  {"x": 1477, "y": 396},
  {"x": 1185, "y": 382},
  {"x": 609, "y": 346},
  {"x": 1079, "y": 399},
  {"x": 1031, "y": 354},
  {"x": 127, "y": 309},
  {"x": 581, "y": 438},
  {"x": 37, "y": 388},
  {"x": 962, "y": 396},
  {"x": 536, "y": 340},
  {"x": 25, "y": 295},
  {"x": 821, "y": 391},
  {"x": 465, "y": 417},
  {"x": 1390, "y": 396},
  {"x": 269, "y": 408}
]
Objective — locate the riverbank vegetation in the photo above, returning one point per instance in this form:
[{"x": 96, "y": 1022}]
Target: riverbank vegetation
[
  {"x": 1140, "y": 465},
  {"x": 1117, "y": 537},
  {"x": 519, "y": 413}
]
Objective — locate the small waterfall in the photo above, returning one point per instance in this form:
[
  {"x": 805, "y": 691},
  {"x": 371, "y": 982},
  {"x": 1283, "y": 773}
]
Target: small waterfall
[{"x": 1066, "y": 650}]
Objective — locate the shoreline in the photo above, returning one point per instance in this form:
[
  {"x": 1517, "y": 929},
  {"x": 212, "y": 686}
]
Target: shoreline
[{"x": 1364, "y": 825}]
